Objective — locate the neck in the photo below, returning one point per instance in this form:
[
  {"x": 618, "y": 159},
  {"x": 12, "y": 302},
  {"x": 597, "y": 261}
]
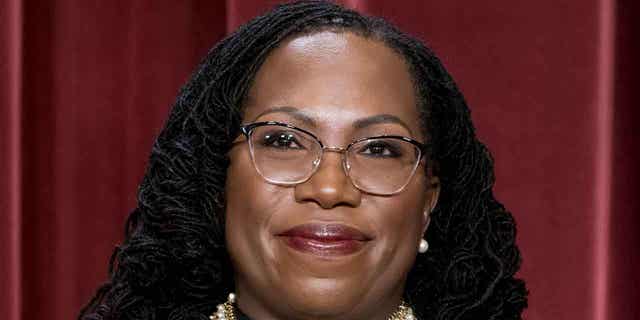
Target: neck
[
  {"x": 257, "y": 305},
  {"x": 396, "y": 311}
]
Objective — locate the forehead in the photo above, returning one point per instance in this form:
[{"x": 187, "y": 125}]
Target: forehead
[{"x": 336, "y": 78}]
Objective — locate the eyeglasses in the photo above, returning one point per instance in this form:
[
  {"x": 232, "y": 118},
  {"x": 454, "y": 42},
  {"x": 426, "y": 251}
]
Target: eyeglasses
[{"x": 286, "y": 155}]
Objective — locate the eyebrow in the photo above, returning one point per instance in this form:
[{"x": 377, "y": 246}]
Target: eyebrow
[
  {"x": 293, "y": 112},
  {"x": 378, "y": 119},
  {"x": 358, "y": 124}
]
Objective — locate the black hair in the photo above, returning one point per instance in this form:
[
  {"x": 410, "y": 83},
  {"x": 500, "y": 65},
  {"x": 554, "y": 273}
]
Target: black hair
[{"x": 173, "y": 263}]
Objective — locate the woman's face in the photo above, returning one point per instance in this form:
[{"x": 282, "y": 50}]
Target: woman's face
[{"x": 326, "y": 83}]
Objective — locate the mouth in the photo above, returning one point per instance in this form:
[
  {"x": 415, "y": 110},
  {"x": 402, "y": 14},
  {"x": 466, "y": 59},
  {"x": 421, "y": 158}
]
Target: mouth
[{"x": 325, "y": 239}]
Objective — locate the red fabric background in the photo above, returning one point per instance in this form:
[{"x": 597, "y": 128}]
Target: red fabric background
[{"x": 86, "y": 85}]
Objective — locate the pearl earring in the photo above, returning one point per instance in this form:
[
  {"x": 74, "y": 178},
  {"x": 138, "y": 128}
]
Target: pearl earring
[{"x": 424, "y": 246}]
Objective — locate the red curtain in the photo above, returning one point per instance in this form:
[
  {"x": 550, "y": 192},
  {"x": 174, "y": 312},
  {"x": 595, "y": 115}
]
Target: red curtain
[{"x": 86, "y": 85}]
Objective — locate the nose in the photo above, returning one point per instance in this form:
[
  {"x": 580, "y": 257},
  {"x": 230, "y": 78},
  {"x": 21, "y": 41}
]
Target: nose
[{"x": 329, "y": 186}]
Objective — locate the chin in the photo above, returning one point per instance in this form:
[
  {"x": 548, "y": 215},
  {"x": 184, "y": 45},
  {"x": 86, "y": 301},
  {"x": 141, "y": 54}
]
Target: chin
[
  {"x": 319, "y": 285},
  {"x": 326, "y": 297}
]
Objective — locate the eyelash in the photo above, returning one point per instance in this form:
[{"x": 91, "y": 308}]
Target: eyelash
[
  {"x": 274, "y": 137},
  {"x": 393, "y": 151}
]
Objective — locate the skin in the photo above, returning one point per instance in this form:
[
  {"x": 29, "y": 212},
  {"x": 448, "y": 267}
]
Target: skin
[{"x": 334, "y": 79}]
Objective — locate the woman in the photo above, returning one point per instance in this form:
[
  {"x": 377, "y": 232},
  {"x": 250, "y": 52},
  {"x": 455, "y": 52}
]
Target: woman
[{"x": 319, "y": 164}]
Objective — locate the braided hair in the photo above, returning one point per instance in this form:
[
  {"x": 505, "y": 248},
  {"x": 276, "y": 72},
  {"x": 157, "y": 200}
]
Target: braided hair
[{"x": 173, "y": 263}]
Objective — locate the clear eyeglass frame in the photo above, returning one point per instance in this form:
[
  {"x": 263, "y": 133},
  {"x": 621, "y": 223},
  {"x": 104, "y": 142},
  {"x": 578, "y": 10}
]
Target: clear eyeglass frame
[{"x": 421, "y": 149}]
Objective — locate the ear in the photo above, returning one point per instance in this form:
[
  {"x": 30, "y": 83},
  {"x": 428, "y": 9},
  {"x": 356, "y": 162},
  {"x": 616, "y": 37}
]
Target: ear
[{"x": 433, "y": 192}]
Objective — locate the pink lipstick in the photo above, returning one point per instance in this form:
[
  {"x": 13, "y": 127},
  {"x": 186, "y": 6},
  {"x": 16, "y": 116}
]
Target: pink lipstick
[{"x": 325, "y": 239}]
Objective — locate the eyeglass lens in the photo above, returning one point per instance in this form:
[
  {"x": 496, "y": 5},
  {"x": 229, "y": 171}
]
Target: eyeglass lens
[{"x": 289, "y": 156}]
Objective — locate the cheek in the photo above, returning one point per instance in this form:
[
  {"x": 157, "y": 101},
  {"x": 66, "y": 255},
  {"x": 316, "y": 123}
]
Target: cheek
[
  {"x": 248, "y": 196},
  {"x": 250, "y": 204},
  {"x": 400, "y": 221},
  {"x": 401, "y": 226}
]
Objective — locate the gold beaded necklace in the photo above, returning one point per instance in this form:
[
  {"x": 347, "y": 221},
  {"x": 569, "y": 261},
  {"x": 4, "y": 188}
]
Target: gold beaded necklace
[{"x": 224, "y": 311}]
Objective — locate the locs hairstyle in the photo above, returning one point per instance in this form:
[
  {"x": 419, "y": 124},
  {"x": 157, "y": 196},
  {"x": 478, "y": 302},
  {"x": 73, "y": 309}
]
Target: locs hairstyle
[{"x": 173, "y": 263}]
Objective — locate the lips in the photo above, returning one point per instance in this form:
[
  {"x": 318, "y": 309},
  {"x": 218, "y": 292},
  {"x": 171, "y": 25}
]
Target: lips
[{"x": 325, "y": 239}]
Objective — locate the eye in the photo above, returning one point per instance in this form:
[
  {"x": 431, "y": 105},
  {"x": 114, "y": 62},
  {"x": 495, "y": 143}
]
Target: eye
[
  {"x": 281, "y": 139},
  {"x": 381, "y": 149}
]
